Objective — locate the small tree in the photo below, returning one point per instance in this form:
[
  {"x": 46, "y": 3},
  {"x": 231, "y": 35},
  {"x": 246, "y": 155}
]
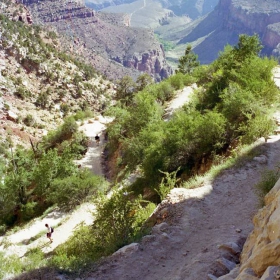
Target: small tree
[
  {"x": 125, "y": 90},
  {"x": 187, "y": 62},
  {"x": 143, "y": 81}
]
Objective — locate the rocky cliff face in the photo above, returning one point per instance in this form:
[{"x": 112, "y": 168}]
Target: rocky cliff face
[
  {"x": 260, "y": 257},
  {"x": 231, "y": 18},
  {"x": 253, "y": 17},
  {"x": 16, "y": 12},
  {"x": 105, "y": 40},
  {"x": 194, "y": 8}
]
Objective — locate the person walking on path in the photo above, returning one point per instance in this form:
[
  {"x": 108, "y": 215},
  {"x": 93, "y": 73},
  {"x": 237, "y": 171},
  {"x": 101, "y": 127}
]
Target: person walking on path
[
  {"x": 97, "y": 139},
  {"x": 49, "y": 232}
]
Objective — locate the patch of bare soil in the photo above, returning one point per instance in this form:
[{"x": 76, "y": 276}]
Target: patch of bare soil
[
  {"x": 197, "y": 222},
  {"x": 194, "y": 224}
]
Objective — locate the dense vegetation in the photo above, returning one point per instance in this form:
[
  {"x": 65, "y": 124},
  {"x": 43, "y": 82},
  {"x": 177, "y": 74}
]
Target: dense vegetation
[
  {"x": 37, "y": 179},
  {"x": 231, "y": 107}
]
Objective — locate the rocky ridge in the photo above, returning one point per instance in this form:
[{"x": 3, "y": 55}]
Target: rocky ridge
[
  {"x": 222, "y": 26},
  {"x": 38, "y": 87},
  {"x": 105, "y": 40}
]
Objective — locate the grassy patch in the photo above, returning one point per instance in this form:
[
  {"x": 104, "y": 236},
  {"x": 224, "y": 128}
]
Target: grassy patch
[
  {"x": 238, "y": 158},
  {"x": 266, "y": 183}
]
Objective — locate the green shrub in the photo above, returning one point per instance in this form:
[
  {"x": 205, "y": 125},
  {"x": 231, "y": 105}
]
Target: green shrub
[
  {"x": 64, "y": 108},
  {"x": 118, "y": 221},
  {"x": 267, "y": 182},
  {"x": 29, "y": 120},
  {"x": 73, "y": 190},
  {"x": 177, "y": 81},
  {"x": 42, "y": 100},
  {"x": 167, "y": 184},
  {"x": 81, "y": 115}
]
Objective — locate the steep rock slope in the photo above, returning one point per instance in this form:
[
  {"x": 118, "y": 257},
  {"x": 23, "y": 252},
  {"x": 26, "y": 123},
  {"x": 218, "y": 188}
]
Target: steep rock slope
[
  {"x": 105, "y": 40},
  {"x": 37, "y": 81},
  {"x": 194, "y": 8},
  {"x": 231, "y": 18}
]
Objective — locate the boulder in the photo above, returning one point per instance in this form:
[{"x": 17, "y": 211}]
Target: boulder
[
  {"x": 247, "y": 274},
  {"x": 226, "y": 264},
  {"x": 231, "y": 247},
  {"x": 12, "y": 116},
  {"x": 271, "y": 273},
  {"x": 128, "y": 249}
]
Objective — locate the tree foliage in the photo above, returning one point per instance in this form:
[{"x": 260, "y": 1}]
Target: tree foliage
[
  {"x": 188, "y": 61},
  {"x": 236, "y": 91}
]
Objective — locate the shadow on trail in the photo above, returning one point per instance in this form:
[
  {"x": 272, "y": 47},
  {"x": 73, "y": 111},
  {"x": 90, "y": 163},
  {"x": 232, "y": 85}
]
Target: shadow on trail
[{"x": 191, "y": 224}]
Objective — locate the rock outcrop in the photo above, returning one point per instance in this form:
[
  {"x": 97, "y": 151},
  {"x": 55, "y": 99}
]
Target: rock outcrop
[
  {"x": 231, "y": 18},
  {"x": 104, "y": 39},
  {"x": 260, "y": 258},
  {"x": 16, "y": 11}
]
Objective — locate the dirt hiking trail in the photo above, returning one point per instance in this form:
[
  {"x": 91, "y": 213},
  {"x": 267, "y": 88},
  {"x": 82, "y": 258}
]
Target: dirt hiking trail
[
  {"x": 198, "y": 221},
  {"x": 186, "y": 245},
  {"x": 33, "y": 235}
]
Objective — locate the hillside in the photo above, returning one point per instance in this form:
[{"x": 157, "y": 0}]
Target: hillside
[
  {"x": 123, "y": 51},
  {"x": 222, "y": 26},
  {"x": 192, "y": 8},
  {"x": 40, "y": 84},
  {"x": 194, "y": 144}
]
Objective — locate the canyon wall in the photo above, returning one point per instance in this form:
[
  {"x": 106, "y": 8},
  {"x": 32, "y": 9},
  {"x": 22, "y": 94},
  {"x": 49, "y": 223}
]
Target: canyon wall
[
  {"x": 231, "y": 18},
  {"x": 105, "y": 39}
]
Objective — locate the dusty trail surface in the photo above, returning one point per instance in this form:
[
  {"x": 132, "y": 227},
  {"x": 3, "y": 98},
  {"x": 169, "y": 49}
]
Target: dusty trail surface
[
  {"x": 198, "y": 221},
  {"x": 33, "y": 235},
  {"x": 186, "y": 245}
]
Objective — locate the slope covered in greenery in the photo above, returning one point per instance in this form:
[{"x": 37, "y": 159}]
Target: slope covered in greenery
[{"x": 231, "y": 107}]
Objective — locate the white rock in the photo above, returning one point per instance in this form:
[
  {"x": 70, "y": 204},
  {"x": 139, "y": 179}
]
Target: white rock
[
  {"x": 261, "y": 159},
  {"x": 128, "y": 249},
  {"x": 271, "y": 273}
]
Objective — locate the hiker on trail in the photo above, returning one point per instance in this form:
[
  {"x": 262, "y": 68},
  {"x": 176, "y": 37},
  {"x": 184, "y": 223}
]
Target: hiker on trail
[
  {"x": 49, "y": 232},
  {"x": 97, "y": 139}
]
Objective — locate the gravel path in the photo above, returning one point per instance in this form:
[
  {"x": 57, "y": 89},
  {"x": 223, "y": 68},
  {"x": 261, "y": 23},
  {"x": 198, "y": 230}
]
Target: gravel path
[{"x": 33, "y": 235}]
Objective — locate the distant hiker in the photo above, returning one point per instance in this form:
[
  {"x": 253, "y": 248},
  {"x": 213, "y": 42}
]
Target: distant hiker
[
  {"x": 97, "y": 139},
  {"x": 49, "y": 232}
]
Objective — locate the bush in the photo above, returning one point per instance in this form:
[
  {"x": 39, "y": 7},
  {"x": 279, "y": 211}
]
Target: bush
[
  {"x": 29, "y": 120},
  {"x": 267, "y": 182},
  {"x": 118, "y": 221},
  {"x": 177, "y": 81},
  {"x": 73, "y": 190},
  {"x": 42, "y": 100},
  {"x": 81, "y": 115}
]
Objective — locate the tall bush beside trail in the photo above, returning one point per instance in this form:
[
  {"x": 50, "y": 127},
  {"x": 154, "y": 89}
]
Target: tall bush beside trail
[
  {"x": 146, "y": 111},
  {"x": 116, "y": 130},
  {"x": 165, "y": 91},
  {"x": 177, "y": 81},
  {"x": 258, "y": 125},
  {"x": 118, "y": 221},
  {"x": 135, "y": 149},
  {"x": 185, "y": 140},
  {"x": 52, "y": 166},
  {"x": 74, "y": 189},
  {"x": 14, "y": 189}
]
